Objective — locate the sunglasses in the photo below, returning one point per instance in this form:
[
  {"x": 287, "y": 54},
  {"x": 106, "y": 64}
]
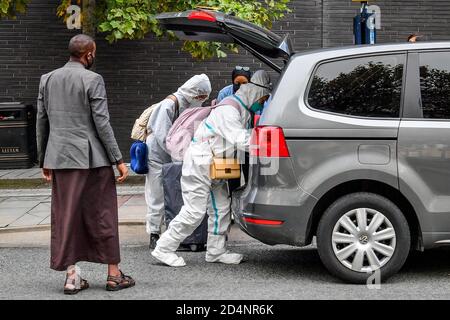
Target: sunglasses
[{"x": 239, "y": 68}]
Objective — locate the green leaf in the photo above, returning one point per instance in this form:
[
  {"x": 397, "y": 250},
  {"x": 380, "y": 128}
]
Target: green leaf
[
  {"x": 105, "y": 26},
  {"x": 10, "y": 8},
  {"x": 114, "y": 24},
  {"x": 118, "y": 35},
  {"x": 221, "y": 54}
]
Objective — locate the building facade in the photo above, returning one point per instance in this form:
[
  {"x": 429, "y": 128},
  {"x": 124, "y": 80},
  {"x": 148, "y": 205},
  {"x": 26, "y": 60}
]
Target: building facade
[{"x": 141, "y": 72}]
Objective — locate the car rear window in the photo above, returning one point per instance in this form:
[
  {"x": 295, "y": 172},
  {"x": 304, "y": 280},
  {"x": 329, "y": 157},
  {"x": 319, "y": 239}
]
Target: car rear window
[
  {"x": 435, "y": 84},
  {"x": 365, "y": 86}
]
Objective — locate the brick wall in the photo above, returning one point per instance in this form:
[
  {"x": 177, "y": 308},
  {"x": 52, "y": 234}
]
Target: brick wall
[{"x": 138, "y": 73}]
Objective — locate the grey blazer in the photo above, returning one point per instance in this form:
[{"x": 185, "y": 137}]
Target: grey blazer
[{"x": 73, "y": 129}]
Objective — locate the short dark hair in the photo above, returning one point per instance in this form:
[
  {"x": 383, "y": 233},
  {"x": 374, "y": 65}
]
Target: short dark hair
[
  {"x": 414, "y": 35},
  {"x": 80, "y": 44}
]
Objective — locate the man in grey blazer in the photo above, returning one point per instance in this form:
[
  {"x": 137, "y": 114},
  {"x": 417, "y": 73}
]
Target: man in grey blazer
[{"x": 77, "y": 149}]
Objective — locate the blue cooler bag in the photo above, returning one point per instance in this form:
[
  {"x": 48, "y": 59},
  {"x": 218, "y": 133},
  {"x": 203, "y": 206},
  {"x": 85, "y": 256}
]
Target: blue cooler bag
[{"x": 138, "y": 155}]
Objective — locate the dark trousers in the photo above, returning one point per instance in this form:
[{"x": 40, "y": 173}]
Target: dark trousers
[{"x": 233, "y": 184}]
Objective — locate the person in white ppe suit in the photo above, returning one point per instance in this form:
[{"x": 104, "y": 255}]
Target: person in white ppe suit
[
  {"x": 224, "y": 130},
  {"x": 191, "y": 94}
]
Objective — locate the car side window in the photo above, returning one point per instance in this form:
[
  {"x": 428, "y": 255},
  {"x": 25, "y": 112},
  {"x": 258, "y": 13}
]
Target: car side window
[
  {"x": 364, "y": 87},
  {"x": 435, "y": 84}
]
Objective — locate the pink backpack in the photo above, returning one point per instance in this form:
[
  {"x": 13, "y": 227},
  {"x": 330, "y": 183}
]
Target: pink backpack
[{"x": 183, "y": 129}]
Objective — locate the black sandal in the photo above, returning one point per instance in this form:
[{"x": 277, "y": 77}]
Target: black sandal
[
  {"x": 83, "y": 286},
  {"x": 120, "y": 282}
]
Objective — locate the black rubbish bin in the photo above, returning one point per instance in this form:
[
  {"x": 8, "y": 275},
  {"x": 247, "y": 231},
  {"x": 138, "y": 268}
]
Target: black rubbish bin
[{"x": 17, "y": 136}]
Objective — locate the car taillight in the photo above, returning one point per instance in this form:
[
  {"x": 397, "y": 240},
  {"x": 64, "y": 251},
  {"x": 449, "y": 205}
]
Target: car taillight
[
  {"x": 268, "y": 141},
  {"x": 202, "y": 15},
  {"x": 263, "y": 221}
]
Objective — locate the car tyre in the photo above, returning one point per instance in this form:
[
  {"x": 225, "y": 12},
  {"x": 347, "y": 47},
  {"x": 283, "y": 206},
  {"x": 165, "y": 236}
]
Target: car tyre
[{"x": 327, "y": 244}]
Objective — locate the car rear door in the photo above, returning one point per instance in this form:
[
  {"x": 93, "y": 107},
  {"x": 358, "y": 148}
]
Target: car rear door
[
  {"x": 214, "y": 26},
  {"x": 424, "y": 141}
]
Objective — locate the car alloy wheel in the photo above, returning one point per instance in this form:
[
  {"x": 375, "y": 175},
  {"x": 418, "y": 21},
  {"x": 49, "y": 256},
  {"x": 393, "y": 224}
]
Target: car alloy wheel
[{"x": 363, "y": 240}]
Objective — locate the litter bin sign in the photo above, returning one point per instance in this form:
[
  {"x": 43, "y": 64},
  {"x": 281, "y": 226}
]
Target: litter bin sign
[{"x": 17, "y": 136}]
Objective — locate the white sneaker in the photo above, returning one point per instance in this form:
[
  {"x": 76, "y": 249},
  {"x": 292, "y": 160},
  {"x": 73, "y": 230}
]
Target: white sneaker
[
  {"x": 171, "y": 259},
  {"x": 227, "y": 258}
]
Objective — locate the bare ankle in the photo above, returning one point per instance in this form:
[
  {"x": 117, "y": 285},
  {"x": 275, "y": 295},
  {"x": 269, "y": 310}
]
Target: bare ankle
[{"x": 113, "y": 270}]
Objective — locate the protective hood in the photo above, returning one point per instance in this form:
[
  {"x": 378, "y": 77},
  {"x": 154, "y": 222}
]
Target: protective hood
[
  {"x": 249, "y": 93},
  {"x": 198, "y": 85}
]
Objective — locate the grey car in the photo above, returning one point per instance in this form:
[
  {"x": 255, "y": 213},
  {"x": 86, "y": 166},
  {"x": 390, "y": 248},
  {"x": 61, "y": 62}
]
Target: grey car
[{"x": 354, "y": 148}]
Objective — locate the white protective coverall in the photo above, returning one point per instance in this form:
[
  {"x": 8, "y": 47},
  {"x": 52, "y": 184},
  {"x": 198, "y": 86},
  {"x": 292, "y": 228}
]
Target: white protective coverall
[
  {"x": 218, "y": 135},
  {"x": 159, "y": 124}
]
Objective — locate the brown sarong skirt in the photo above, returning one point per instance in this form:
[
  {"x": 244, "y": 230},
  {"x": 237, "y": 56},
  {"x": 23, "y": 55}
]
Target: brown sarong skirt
[{"x": 84, "y": 217}]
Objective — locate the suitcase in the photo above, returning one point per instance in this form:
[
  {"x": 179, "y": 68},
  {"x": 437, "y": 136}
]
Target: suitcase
[{"x": 173, "y": 201}]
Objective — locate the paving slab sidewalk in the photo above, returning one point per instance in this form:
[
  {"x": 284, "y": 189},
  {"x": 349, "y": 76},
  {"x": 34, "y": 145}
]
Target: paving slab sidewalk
[
  {"x": 19, "y": 179},
  {"x": 30, "y": 212},
  {"x": 35, "y": 173},
  {"x": 23, "y": 208}
]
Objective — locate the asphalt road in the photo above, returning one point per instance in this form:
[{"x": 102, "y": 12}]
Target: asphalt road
[{"x": 279, "y": 272}]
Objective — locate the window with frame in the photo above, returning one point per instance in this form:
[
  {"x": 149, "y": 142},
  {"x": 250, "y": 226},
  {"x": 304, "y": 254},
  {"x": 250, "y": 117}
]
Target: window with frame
[
  {"x": 435, "y": 84},
  {"x": 364, "y": 87}
]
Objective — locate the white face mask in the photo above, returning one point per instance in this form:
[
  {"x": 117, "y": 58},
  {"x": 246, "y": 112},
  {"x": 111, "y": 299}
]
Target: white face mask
[{"x": 195, "y": 102}]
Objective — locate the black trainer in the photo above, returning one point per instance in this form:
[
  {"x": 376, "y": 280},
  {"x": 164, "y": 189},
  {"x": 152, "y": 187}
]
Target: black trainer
[{"x": 153, "y": 238}]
